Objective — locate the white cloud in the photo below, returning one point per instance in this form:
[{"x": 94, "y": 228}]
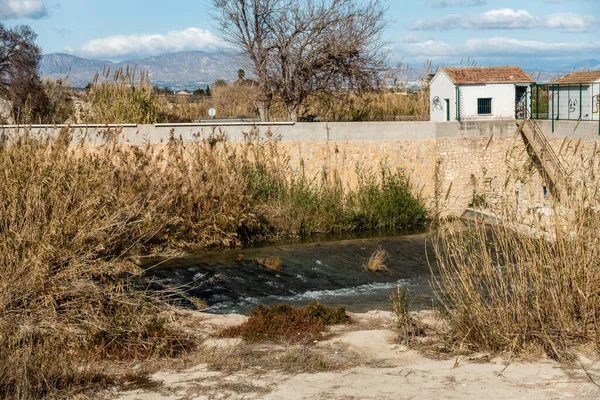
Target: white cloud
[
  {"x": 409, "y": 39},
  {"x": 498, "y": 47},
  {"x": 507, "y": 18},
  {"x": 155, "y": 44},
  {"x": 11, "y": 9},
  {"x": 457, "y": 3}
]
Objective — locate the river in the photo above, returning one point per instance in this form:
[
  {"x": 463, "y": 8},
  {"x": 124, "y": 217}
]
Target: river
[{"x": 330, "y": 272}]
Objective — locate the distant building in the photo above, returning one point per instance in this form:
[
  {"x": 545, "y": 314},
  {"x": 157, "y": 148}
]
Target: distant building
[
  {"x": 479, "y": 93},
  {"x": 183, "y": 93},
  {"x": 575, "y": 96}
]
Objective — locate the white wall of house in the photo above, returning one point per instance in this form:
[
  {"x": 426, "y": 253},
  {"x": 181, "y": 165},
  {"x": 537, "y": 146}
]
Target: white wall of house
[
  {"x": 569, "y": 104},
  {"x": 503, "y": 101},
  {"x": 441, "y": 88}
]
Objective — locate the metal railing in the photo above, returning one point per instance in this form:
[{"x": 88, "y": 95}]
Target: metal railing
[{"x": 545, "y": 147}]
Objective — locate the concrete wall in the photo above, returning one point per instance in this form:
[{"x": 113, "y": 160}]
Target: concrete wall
[{"x": 585, "y": 130}]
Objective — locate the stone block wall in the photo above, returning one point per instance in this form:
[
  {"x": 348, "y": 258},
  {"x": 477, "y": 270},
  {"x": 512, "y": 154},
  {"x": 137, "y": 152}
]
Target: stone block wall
[{"x": 415, "y": 157}]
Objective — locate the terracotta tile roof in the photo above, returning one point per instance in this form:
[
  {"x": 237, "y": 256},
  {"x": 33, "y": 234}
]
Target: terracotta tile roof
[
  {"x": 578, "y": 77},
  {"x": 482, "y": 75}
]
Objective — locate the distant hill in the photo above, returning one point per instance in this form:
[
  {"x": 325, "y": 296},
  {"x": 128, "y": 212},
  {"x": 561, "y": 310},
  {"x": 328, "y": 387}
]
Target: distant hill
[
  {"x": 188, "y": 70},
  {"x": 587, "y": 64},
  {"x": 194, "y": 69}
]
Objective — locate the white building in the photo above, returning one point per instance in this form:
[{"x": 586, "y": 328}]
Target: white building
[
  {"x": 477, "y": 93},
  {"x": 575, "y": 96}
]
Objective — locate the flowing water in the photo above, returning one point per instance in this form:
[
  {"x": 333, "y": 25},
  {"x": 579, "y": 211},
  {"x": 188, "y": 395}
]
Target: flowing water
[{"x": 333, "y": 273}]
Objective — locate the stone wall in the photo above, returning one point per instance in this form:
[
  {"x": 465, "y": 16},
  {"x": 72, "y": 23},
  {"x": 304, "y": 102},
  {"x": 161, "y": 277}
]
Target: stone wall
[{"x": 415, "y": 157}]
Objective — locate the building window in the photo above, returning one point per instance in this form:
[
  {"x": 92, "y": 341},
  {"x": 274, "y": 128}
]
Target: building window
[{"x": 484, "y": 106}]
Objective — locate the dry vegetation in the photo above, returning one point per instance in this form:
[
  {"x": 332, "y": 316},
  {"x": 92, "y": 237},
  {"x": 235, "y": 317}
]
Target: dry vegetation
[
  {"x": 508, "y": 289},
  {"x": 73, "y": 219},
  {"x": 233, "y": 100},
  {"x": 376, "y": 263},
  {"x": 122, "y": 97},
  {"x": 291, "y": 358},
  {"x": 127, "y": 96},
  {"x": 284, "y": 323},
  {"x": 408, "y": 325},
  {"x": 271, "y": 263},
  {"x": 238, "y": 101}
]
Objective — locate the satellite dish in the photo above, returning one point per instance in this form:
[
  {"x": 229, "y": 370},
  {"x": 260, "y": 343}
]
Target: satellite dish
[{"x": 212, "y": 112}]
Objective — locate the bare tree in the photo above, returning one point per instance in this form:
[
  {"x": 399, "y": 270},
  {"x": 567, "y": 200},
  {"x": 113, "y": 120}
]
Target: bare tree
[
  {"x": 297, "y": 48},
  {"x": 19, "y": 79}
]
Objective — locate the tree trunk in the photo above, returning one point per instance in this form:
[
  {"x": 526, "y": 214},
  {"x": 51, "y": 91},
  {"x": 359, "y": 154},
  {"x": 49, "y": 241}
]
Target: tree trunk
[
  {"x": 293, "y": 114},
  {"x": 264, "y": 107},
  {"x": 292, "y": 110}
]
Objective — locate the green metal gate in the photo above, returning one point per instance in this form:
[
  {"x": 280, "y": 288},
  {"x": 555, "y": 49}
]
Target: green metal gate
[{"x": 566, "y": 102}]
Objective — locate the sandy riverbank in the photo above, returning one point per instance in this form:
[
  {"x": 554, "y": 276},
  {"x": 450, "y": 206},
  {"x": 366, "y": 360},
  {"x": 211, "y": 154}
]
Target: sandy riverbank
[{"x": 369, "y": 366}]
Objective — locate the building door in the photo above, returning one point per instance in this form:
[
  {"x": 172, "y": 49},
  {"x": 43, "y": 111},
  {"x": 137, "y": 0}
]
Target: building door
[
  {"x": 447, "y": 109},
  {"x": 520, "y": 102}
]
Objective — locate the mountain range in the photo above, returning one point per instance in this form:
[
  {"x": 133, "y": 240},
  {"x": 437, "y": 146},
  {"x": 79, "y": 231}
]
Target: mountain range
[
  {"x": 185, "y": 70},
  {"x": 196, "y": 69}
]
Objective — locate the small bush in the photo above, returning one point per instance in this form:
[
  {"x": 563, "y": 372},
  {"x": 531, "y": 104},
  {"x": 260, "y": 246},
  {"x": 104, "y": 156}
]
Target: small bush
[
  {"x": 288, "y": 324},
  {"x": 407, "y": 325}
]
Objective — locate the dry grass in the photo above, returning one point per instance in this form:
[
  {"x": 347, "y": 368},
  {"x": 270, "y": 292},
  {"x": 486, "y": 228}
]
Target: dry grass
[
  {"x": 238, "y": 101},
  {"x": 121, "y": 97},
  {"x": 230, "y": 101},
  {"x": 292, "y": 359},
  {"x": 73, "y": 218},
  {"x": 376, "y": 263},
  {"x": 408, "y": 325},
  {"x": 385, "y": 105},
  {"x": 506, "y": 289}
]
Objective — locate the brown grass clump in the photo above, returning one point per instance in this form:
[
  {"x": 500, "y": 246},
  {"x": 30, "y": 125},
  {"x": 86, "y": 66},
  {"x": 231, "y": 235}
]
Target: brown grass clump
[
  {"x": 270, "y": 263},
  {"x": 288, "y": 324},
  {"x": 376, "y": 263}
]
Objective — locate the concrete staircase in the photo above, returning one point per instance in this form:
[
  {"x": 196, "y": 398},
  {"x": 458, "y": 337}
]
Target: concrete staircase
[{"x": 548, "y": 161}]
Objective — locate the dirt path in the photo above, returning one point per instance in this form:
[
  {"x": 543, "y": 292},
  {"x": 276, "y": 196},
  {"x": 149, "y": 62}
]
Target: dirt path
[{"x": 381, "y": 370}]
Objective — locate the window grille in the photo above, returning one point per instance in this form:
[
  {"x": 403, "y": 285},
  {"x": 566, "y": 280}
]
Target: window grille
[{"x": 484, "y": 106}]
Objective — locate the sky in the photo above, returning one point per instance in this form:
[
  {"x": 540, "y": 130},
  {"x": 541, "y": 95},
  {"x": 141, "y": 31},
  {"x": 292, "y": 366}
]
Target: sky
[{"x": 535, "y": 33}]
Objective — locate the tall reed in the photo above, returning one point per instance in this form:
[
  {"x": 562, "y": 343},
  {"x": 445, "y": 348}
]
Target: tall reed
[
  {"x": 513, "y": 286},
  {"x": 122, "y": 97},
  {"x": 74, "y": 218}
]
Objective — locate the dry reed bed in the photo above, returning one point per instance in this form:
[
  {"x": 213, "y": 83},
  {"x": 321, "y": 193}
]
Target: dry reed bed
[
  {"x": 238, "y": 101},
  {"x": 503, "y": 289},
  {"x": 73, "y": 219},
  {"x": 127, "y": 96}
]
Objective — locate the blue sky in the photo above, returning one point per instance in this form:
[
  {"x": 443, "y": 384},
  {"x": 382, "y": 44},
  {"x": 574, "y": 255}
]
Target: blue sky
[{"x": 532, "y": 33}]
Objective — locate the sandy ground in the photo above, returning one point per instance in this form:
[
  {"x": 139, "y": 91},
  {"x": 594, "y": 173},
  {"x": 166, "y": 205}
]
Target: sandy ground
[{"x": 383, "y": 370}]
